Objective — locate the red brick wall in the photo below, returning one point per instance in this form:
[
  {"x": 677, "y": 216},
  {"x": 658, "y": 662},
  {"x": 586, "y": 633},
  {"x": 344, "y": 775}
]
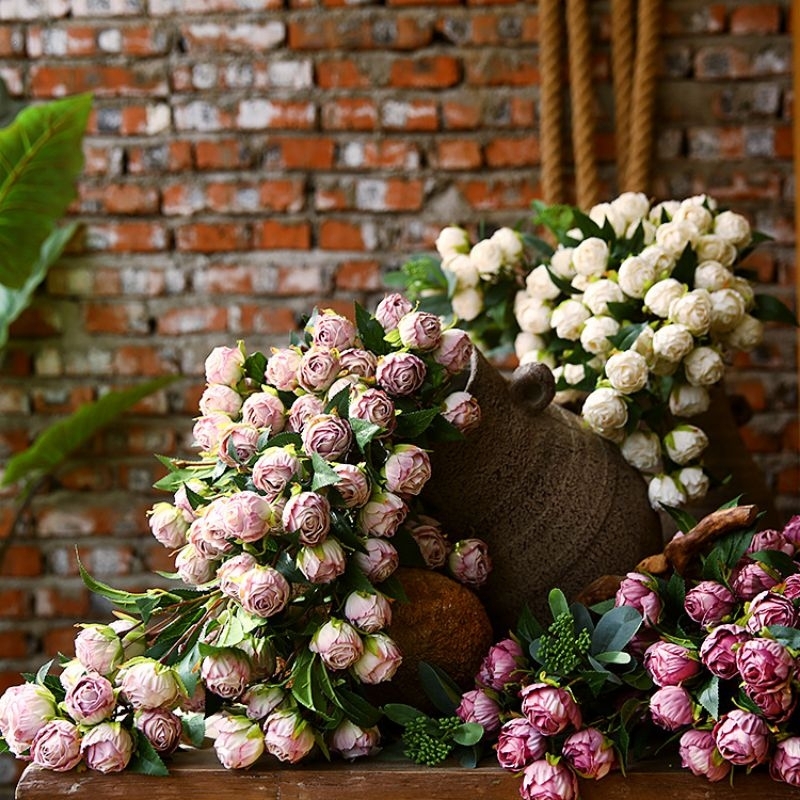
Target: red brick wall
[{"x": 246, "y": 160}]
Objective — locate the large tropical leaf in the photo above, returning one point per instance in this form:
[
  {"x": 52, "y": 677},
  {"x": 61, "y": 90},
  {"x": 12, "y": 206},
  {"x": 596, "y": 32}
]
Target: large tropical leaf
[
  {"x": 61, "y": 439},
  {"x": 40, "y": 157},
  {"x": 14, "y": 301}
]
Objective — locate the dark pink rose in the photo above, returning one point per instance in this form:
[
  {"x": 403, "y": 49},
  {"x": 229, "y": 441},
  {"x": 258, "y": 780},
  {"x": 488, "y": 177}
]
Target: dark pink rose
[
  {"x": 327, "y": 435},
  {"x": 57, "y": 746},
  {"x": 542, "y": 780},
  {"x": 742, "y": 738},
  {"x": 750, "y": 578},
  {"x": 264, "y": 410},
  {"x": 670, "y": 664},
  {"x": 477, "y": 706},
  {"x": 433, "y": 545},
  {"x": 455, "y": 351},
  {"x": 420, "y": 330},
  {"x": 717, "y": 652},
  {"x": 519, "y": 744},
  {"x": 791, "y": 531},
  {"x": 332, "y": 331},
  {"x": 374, "y": 405},
  {"x": 709, "y": 603},
  {"x": 318, "y": 369},
  {"x": 791, "y": 587},
  {"x": 500, "y": 664},
  {"x": 699, "y": 754},
  {"x": 776, "y": 705},
  {"x": 469, "y": 562},
  {"x": 639, "y": 591},
  {"x": 282, "y": 367},
  {"x": 589, "y": 753},
  {"x": 400, "y": 374},
  {"x": 309, "y": 515},
  {"x": 303, "y": 409},
  {"x": 671, "y": 708},
  {"x": 769, "y": 608},
  {"x": 550, "y": 709},
  {"x": 771, "y": 540},
  {"x": 785, "y": 764},
  {"x": 161, "y": 728},
  {"x": 358, "y": 362},
  {"x": 391, "y": 309},
  {"x": 764, "y": 664}
]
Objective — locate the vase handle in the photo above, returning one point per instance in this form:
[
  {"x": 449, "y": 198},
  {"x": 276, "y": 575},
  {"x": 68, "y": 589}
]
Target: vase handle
[{"x": 532, "y": 387}]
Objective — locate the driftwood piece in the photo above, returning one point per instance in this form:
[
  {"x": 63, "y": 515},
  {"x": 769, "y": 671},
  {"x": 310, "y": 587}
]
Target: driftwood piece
[
  {"x": 654, "y": 565},
  {"x": 600, "y": 589}
]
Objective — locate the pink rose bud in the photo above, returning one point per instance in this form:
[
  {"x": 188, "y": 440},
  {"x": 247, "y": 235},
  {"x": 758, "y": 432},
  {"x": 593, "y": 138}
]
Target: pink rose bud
[
  {"x": 309, "y": 515},
  {"x": 380, "y": 660},
  {"x": 318, "y": 369},
  {"x": 640, "y": 592},
  {"x": 238, "y": 444},
  {"x": 351, "y": 742},
  {"x": 99, "y": 648},
  {"x": 400, "y": 374},
  {"x": 263, "y": 591},
  {"x": 192, "y": 567},
  {"x": 328, "y": 436},
  {"x": 239, "y": 744},
  {"x": 226, "y": 672},
  {"x": 519, "y": 744},
  {"x": 161, "y": 728},
  {"x": 282, "y": 367},
  {"x": 742, "y": 738},
  {"x": 420, "y": 330},
  {"x": 771, "y": 540},
  {"x": 477, "y": 706},
  {"x": 244, "y": 516},
  {"x": 790, "y": 588},
  {"x": 362, "y": 363},
  {"x": 262, "y": 699},
  {"x": 182, "y": 501},
  {"x": 550, "y": 709},
  {"x": 147, "y": 683},
  {"x": 24, "y": 710},
  {"x": 768, "y": 608},
  {"x": 375, "y": 406},
  {"x": 323, "y": 563},
  {"x": 225, "y": 365},
  {"x": 380, "y": 560},
  {"x": 699, "y": 754},
  {"x": 338, "y": 644},
  {"x": 469, "y": 562},
  {"x": 407, "y": 469},
  {"x": 785, "y": 764},
  {"x": 777, "y": 705},
  {"x": 589, "y": 753},
  {"x": 391, "y": 309},
  {"x": 670, "y": 664},
  {"x": 57, "y": 746},
  {"x": 168, "y": 525},
  {"x": 433, "y": 546},
  {"x": 208, "y": 431},
  {"x": 462, "y": 410},
  {"x": 288, "y": 736},
  {"x": 107, "y": 747},
  {"x": 455, "y": 351},
  {"x": 709, "y": 603},
  {"x": 303, "y": 409},
  {"x": 133, "y": 637},
  {"x": 260, "y": 651},
  {"x": 274, "y": 470},
  {"x": 750, "y": 579},
  {"x": 264, "y": 410},
  {"x": 717, "y": 652},
  {"x": 382, "y": 515},
  {"x": 501, "y": 665},
  {"x": 220, "y": 399},
  {"x": 207, "y": 535},
  {"x": 353, "y": 487},
  {"x": 542, "y": 780},
  {"x": 671, "y": 708},
  {"x": 331, "y": 331},
  {"x": 791, "y": 531},
  {"x": 368, "y": 612},
  {"x": 764, "y": 664},
  {"x": 91, "y": 699}
]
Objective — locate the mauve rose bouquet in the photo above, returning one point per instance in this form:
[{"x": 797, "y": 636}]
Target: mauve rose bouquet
[
  {"x": 635, "y": 311},
  {"x": 286, "y": 534}
]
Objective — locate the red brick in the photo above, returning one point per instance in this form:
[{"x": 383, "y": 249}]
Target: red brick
[
  {"x": 140, "y": 360},
  {"x": 22, "y": 561},
  {"x": 258, "y": 114},
  {"x": 59, "y": 640},
  {"x": 173, "y": 156},
  {"x": 14, "y": 603},
  {"x": 124, "y": 199},
  {"x": 485, "y": 195},
  {"x": 760, "y": 19},
  {"x": 341, "y": 73},
  {"x": 710, "y": 18},
  {"x": 350, "y": 113},
  {"x": 125, "y": 237},
  {"x": 223, "y": 154},
  {"x": 414, "y": 115},
  {"x": 461, "y": 114},
  {"x": 226, "y": 279},
  {"x": 102, "y": 81},
  {"x": 71, "y": 603},
  {"x": 358, "y": 276},
  {"x": 267, "y": 320},
  {"x": 501, "y": 152},
  {"x": 61, "y": 402},
  {"x": 784, "y": 142},
  {"x": 274, "y": 235},
  {"x": 758, "y": 441},
  {"x": 306, "y": 154},
  {"x": 181, "y": 321},
  {"x": 789, "y": 480},
  {"x": 86, "y": 478},
  {"x": 12, "y": 41},
  {"x": 14, "y": 644},
  {"x": 791, "y": 437},
  {"x": 429, "y": 72},
  {"x": 338, "y": 235},
  {"x": 38, "y": 322},
  {"x": 386, "y": 154},
  {"x": 752, "y": 391},
  {"x": 105, "y": 160},
  {"x": 213, "y": 237},
  {"x": 323, "y": 32},
  {"x": 500, "y": 69}
]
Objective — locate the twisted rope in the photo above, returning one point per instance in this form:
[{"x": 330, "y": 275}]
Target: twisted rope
[
  {"x": 551, "y": 100},
  {"x": 583, "y": 122},
  {"x": 622, "y": 56}
]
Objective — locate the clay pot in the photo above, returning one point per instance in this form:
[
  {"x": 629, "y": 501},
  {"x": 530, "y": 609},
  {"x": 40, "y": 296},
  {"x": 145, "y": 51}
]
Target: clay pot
[{"x": 557, "y": 505}]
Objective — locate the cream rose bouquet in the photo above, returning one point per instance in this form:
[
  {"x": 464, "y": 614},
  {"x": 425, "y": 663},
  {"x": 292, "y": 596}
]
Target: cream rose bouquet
[
  {"x": 635, "y": 311},
  {"x": 285, "y": 534}
]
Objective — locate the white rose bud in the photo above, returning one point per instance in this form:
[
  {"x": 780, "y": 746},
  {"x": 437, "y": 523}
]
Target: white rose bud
[
  {"x": 600, "y": 293},
  {"x": 642, "y": 450},
  {"x": 510, "y": 244},
  {"x": 568, "y": 319},
  {"x": 528, "y": 342},
  {"x": 746, "y": 335},
  {"x": 648, "y": 230},
  {"x": 595, "y": 333},
  {"x": 694, "y": 481},
  {"x": 561, "y": 262},
  {"x": 538, "y": 357},
  {"x": 644, "y": 343},
  {"x": 674, "y": 236},
  {"x": 703, "y": 366},
  {"x": 712, "y": 276},
  {"x": 604, "y": 410},
  {"x": 686, "y": 400},
  {"x": 540, "y": 284},
  {"x": 590, "y": 257},
  {"x": 627, "y": 371},
  {"x": 714, "y": 248},
  {"x": 636, "y": 276},
  {"x": 672, "y": 342},
  {"x": 660, "y": 259},
  {"x": 694, "y": 213},
  {"x": 487, "y": 257},
  {"x": 467, "y": 304},
  {"x": 693, "y": 310},
  {"x": 685, "y": 443},
  {"x": 745, "y": 289},
  {"x": 727, "y": 310},
  {"x": 663, "y": 489},
  {"x": 565, "y": 395},
  {"x": 533, "y": 316},
  {"x": 661, "y": 294},
  {"x": 463, "y": 269},
  {"x": 579, "y": 284},
  {"x": 668, "y": 207},
  {"x": 733, "y": 227},
  {"x": 452, "y": 240},
  {"x": 631, "y": 206},
  {"x": 606, "y": 212}
]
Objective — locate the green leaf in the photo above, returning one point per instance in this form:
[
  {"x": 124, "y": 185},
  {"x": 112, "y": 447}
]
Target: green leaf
[
  {"x": 468, "y": 734},
  {"x": 782, "y": 563},
  {"x": 339, "y": 403},
  {"x": 407, "y": 549},
  {"x": 254, "y": 366},
  {"x": 708, "y": 697},
  {"x": 562, "y": 283},
  {"x": 364, "y": 431},
  {"x": 587, "y": 226},
  {"x": 173, "y": 481},
  {"x": 126, "y": 600},
  {"x": 42, "y": 672},
  {"x": 370, "y": 331},
  {"x": 614, "y": 657},
  {"x": 558, "y": 603},
  {"x": 324, "y": 473},
  {"x": 356, "y": 708},
  {"x": 146, "y": 761},
  {"x": 194, "y": 728},
  {"x": 770, "y": 309},
  {"x": 469, "y": 758},
  {"x": 393, "y": 587},
  {"x": 4, "y": 748},
  {"x": 624, "y": 339},
  {"x": 790, "y": 637},
  {"x": 302, "y": 683},
  {"x": 615, "y": 629},
  {"x": 42, "y": 157},
  {"x": 401, "y": 713},
  {"x": 439, "y": 687},
  {"x": 285, "y": 438},
  {"x": 56, "y": 443},
  {"x": 624, "y": 310},
  {"x": 412, "y": 424},
  {"x": 188, "y": 668},
  {"x": 686, "y": 266},
  {"x": 684, "y": 519},
  {"x": 528, "y": 627}
]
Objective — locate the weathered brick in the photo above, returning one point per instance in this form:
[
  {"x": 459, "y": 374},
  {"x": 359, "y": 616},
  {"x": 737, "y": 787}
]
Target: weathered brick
[
  {"x": 174, "y": 156},
  {"x": 274, "y": 235},
  {"x": 118, "y": 318},
  {"x": 517, "y": 152},
  {"x": 181, "y": 321},
  {"x": 358, "y": 276},
  {"x": 289, "y": 114},
  {"x": 213, "y": 237},
  {"x": 102, "y": 81},
  {"x": 223, "y": 154},
  {"x": 758, "y": 19},
  {"x": 341, "y": 73},
  {"x": 385, "y": 154},
  {"x": 350, "y": 113},
  {"x": 413, "y": 115},
  {"x": 340, "y": 235},
  {"x": 305, "y": 153},
  {"x": 429, "y": 72},
  {"x": 125, "y": 237}
]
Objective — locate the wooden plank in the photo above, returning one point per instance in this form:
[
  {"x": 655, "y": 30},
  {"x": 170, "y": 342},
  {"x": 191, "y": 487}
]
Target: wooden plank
[{"x": 198, "y": 775}]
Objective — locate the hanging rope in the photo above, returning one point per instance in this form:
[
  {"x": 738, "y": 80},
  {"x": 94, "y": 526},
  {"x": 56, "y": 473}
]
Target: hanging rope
[
  {"x": 551, "y": 100},
  {"x": 636, "y": 177},
  {"x": 622, "y": 57},
  {"x": 582, "y": 95}
]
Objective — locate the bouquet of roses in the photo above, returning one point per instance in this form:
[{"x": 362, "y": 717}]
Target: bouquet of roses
[
  {"x": 286, "y": 533},
  {"x": 634, "y": 311}
]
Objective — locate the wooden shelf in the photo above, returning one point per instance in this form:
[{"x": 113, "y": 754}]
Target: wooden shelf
[{"x": 197, "y": 775}]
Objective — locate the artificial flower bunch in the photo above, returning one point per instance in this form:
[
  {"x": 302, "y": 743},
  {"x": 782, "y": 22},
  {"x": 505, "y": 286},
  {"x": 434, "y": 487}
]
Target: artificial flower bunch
[
  {"x": 634, "y": 311},
  {"x": 286, "y": 534}
]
